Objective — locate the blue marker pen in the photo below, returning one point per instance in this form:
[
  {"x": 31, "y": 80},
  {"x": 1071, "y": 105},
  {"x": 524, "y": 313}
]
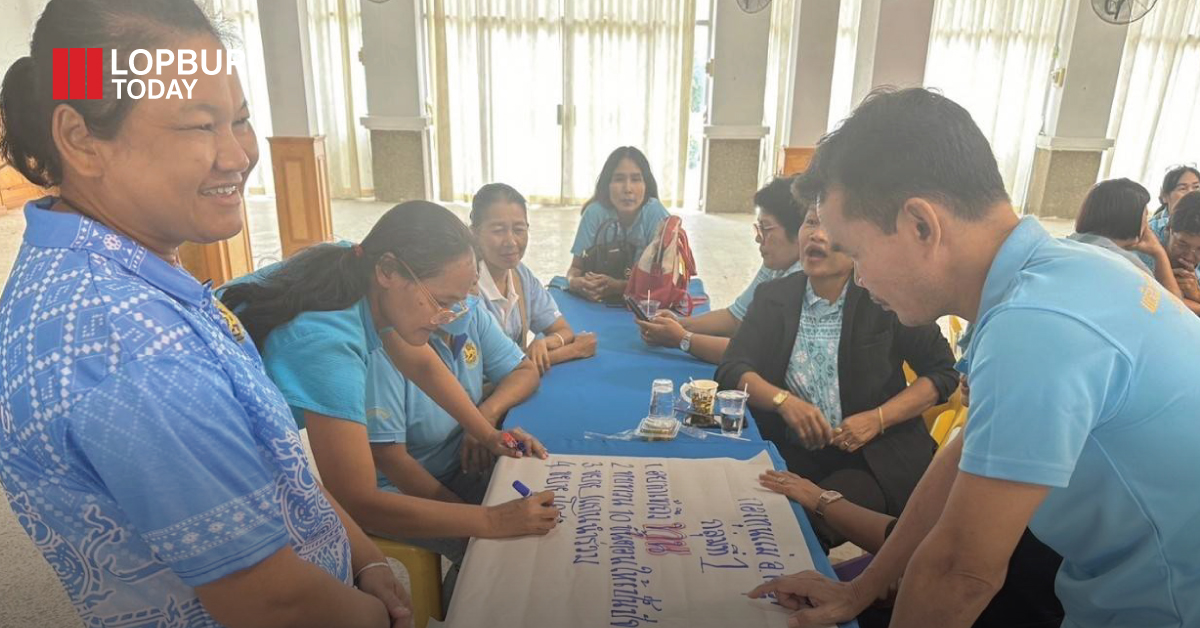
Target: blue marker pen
[{"x": 522, "y": 489}]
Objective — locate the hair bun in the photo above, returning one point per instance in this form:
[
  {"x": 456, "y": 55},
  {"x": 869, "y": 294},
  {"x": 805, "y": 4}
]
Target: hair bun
[{"x": 23, "y": 144}]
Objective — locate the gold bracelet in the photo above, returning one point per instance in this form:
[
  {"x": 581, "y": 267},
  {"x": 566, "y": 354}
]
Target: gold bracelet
[
  {"x": 882, "y": 429},
  {"x": 562, "y": 342}
]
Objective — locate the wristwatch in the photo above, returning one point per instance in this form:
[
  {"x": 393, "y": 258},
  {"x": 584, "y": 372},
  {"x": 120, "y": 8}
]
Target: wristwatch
[
  {"x": 686, "y": 344},
  {"x": 826, "y": 498},
  {"x": 781, "y": 397}
]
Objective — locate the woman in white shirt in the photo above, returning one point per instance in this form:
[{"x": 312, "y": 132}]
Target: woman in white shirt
[{"x": 511, "y": 292}]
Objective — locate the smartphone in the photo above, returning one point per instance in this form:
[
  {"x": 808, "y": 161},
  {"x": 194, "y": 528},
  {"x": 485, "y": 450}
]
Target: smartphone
[{"x": 637, "y": 309}]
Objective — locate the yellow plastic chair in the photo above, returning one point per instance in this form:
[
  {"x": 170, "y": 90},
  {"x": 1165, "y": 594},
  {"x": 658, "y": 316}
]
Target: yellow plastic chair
[
  {"x": 424, "y": 575},
  {"x": 424, "y": 566},
  {"x": 952, "y": 405},
  {"x": 947, "y": 425}
]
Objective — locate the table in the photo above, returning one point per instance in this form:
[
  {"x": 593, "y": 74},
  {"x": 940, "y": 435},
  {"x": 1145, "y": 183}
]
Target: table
[{"x": 610, "y": 393}]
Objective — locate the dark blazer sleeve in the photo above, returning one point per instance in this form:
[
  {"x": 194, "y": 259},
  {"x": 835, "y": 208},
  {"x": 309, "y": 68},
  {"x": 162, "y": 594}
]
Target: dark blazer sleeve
[
  {"x": 748, "y": 349},
  {"x": 928, "y": 353}
]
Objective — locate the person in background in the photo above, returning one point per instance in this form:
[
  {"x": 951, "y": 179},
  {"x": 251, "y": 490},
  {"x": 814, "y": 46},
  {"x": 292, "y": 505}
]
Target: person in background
[
  {"x": 823, "y": 363},
  {"x": 510, "y": 291},
  {"x": 1183, "y": 248},
  {"x": 619, "y": 222},
  {"x": 1113, "y": 217},
  {"x": 339, "y": 326},
  {"x": 706, "y": 336},
  {"x": 1177, "y": 183},
  {"x": 142, "y": 446}
]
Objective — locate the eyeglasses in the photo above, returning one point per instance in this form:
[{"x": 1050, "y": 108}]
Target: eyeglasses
[
  {"x": 762, "y": 230},
  {"x": 444, "y": 315}
]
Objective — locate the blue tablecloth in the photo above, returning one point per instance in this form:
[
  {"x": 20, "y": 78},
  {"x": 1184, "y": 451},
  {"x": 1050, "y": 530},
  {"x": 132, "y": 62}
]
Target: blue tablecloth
[{"x": 610, "y": 393}]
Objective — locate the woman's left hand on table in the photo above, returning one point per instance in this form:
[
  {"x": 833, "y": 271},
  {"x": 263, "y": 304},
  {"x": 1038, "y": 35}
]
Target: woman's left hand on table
[
  {"x": 662, "y": 330},
  {"x": 856, "y": 430},
  {"x": 539, "y": 353},
  {"x": 605, "y": 286},
  {"x": 797, "y": 488}
]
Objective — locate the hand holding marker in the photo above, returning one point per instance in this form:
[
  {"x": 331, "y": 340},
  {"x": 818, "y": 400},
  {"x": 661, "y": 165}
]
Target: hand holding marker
[{"x": 512, "y": 443}]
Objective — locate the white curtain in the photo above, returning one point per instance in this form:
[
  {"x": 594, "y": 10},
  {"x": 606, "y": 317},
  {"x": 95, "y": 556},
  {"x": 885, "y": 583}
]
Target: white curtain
[
  {"x": 776, "y": 97},
  {"x": 240, "y": 19},
  {"x": 1154, "y": 116},
  {"x": 339, "y": 83},
  {"x": 503, "y": 85},
  {"x": 630, "y": 77},
  {"x": 621, "y": 69},
  {"x": 994, "y": 58},
  {"x": 841, "y": 89}
]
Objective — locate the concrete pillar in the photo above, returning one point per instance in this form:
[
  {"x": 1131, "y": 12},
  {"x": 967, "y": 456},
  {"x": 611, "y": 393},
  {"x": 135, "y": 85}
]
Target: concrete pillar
[
  {"x": 1075, "y": 129},
  {"x": 297, "y": 152},
  {"x": 816, "y": 46},
  {"x": 890, "y": 47},
  {"x": 735, "y": 132},
  {"x": 902, "y": 43},
  {"x": 393, "y": 57}
]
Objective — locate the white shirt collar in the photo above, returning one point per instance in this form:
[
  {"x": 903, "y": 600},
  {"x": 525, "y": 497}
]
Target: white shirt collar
[{"x": 506, "y": 301}]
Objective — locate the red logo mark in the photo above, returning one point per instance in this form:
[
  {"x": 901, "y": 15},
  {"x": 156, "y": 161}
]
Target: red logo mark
[{"x": 78, "y": 73}]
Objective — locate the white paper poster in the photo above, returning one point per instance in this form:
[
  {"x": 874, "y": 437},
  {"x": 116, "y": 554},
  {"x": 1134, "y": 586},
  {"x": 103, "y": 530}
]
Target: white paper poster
[{"x": 668, "y": 543}]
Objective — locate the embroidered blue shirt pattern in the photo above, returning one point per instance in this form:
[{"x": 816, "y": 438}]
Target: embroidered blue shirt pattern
[
  {"x": 813, "y": 370},
  {"x": 143, "y": 448}
]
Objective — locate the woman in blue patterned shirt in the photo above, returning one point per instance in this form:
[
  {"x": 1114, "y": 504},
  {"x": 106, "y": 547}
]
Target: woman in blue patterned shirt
[
  {"x": 142, "y": 446},
  {"x": 823, "y": 364}
]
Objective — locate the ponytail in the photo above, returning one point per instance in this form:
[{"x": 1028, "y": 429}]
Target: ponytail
[{"x": 327, "y": 277}]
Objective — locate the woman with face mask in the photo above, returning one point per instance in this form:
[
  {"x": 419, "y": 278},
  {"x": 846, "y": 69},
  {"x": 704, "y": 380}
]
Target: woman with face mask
[
  {"x": 142, "y": 446},
  {"x": 510, "y": 291},
  {"x": 369, "y": 344}
]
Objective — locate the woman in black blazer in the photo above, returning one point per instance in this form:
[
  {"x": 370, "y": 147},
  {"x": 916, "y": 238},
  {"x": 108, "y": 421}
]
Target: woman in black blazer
[{"x": 881, "y": 447}]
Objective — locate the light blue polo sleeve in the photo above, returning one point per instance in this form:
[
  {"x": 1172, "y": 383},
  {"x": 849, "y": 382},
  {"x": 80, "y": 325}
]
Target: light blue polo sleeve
[
  {"x": 386, "y": 401},
  {"x": 319, "y": 367},
  {"x": 742, "y": 304},
  {"x": 543, "y": 310},
  {"x": 653, "y": 213},
  {"x": 585, "y": 236},
  {"x": 1041, "y": 381},
  {"x": 169, "y": 440},
  {"x": 499, "y": 353}
]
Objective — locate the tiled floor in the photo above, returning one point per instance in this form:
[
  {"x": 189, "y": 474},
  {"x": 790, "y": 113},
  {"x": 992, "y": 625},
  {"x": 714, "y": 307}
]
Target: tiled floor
[{"x": 725, "y": 254}]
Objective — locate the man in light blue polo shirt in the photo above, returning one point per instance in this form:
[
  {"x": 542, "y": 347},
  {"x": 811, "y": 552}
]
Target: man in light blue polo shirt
[{"x": 1083, "y": 421}]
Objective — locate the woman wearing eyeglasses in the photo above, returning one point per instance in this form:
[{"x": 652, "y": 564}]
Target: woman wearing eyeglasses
[
  {"x": 342, "y": 327},
  {"x": 706, "y": 336}
]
